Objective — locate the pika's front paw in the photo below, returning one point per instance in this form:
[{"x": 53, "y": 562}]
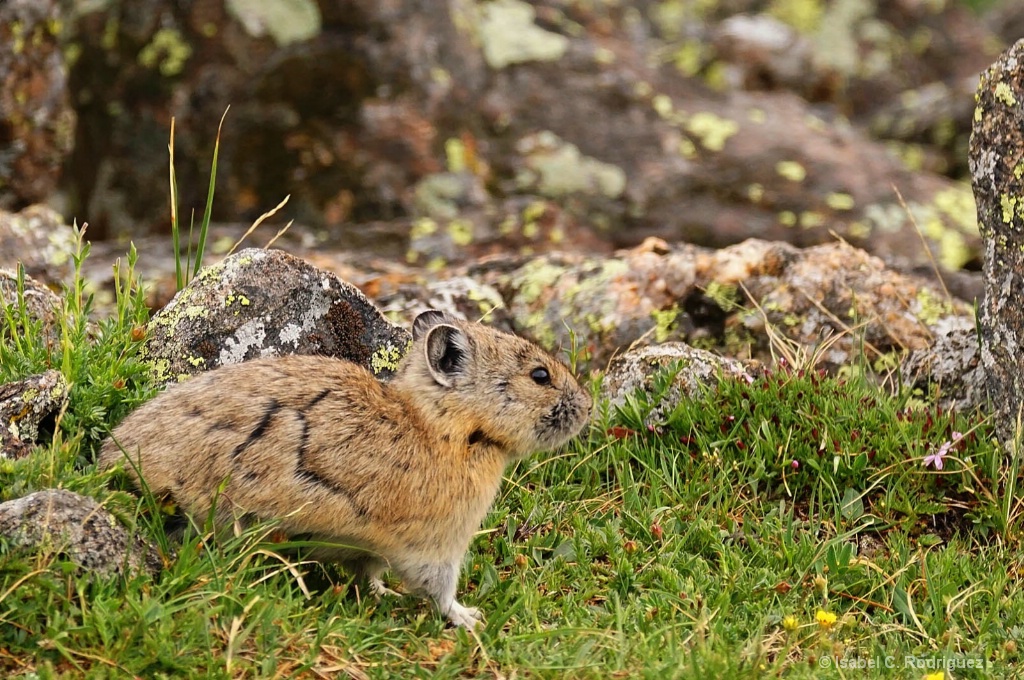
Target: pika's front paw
[
  {"x": 465, "y": 617},
  {"x": 379, "y": 590}
]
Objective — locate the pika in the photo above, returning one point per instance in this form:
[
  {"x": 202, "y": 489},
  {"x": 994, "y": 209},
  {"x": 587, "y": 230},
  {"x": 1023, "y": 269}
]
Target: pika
[{"x": 398, "y": 476}]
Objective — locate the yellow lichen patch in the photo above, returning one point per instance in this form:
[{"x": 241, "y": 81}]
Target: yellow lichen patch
[
  {"x": 1004, "y": 94},
  {"x": 755, "y": 192},
  {"x": 687, "y": 149},
  {"x": 603, "y": 55},
  {"x": 689, "y": 57},
  {"x": 536, "y": 277},
  {"x": 168, "y": 50},
  {"x": 662, "y": 104},
  {"x": 509, "y": 35},
  {"x": 455, "y": 154},
  {"x": 930, "y": 308},
  {"x": 461, "y": 232},
  {"x": 713, "y": 131},
  {"x": 803, "y": 15},
  {"x": 387, "y": 358},
  {"x": 791, "y": 170},
  {"x": 756, "y": 115},
  {"x": 810, "y": 219},
  {"x": 787, "y": 218},
  {"x": 724, "y": 295},
  {"x": 664, "y": 323},
  {"x": 839, "y": 201},
  {"x": 422, "y": 227},
  {"x": 858, "y": 229}
]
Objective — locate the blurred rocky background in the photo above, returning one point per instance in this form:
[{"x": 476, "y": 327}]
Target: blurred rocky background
[{"x": 513, "y": 146}]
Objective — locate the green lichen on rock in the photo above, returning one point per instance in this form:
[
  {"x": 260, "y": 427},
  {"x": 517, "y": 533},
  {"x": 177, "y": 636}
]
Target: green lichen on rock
[
  {"x": 168, "y": 51},
  {"x": 1004, "y": 94},
  {"x": 508, "y": 35},
  {"x": 534, "y": 278},
  {"x": 285, "y": 21},
  {"x": 388, "y": 357},
  {"x": 791, "y": 170},
  {"x": 558, "y": 168},
  {"x": 712, "y": 131},
  {"x": 665, "y": 322},
  {"x": 930, "y": 307}
]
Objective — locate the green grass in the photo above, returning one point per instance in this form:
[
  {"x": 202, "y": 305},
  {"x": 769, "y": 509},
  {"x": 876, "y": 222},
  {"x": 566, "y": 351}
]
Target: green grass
[{"x": 684, "y": 545}]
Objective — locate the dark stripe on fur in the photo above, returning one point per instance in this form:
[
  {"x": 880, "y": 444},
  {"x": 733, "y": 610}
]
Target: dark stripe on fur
[{"x": 268, "y": 414}]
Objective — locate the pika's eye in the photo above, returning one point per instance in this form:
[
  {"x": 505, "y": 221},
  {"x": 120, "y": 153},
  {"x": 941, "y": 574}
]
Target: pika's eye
[{"x": 541, "y": 376}]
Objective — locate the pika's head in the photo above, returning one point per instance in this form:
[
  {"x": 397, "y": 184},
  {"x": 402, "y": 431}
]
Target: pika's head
[{"x": 498, "y": 388}]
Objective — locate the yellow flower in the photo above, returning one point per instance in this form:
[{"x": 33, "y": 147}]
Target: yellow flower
[
  {"x": 941, "y": 675},
  {"x": 825, "y": 619},
  {"x": 790, "y": 623}
]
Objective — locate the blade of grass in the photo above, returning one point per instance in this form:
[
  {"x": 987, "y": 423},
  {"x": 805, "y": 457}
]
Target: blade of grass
[
  {"x": 205, "y": 224},
  {"x": 175, "y": 239},
  {"x": 260, "y": 220}
]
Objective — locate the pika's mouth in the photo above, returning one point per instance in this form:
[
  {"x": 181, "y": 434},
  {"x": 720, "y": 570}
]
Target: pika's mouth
[{"x": 564, "y": 421}]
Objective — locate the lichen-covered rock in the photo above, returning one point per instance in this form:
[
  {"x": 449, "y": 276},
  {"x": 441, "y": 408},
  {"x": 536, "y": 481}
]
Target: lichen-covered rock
[
  {"x": 257, "y": 303},
  {"x": 60, "y": 522},
  {"x": 36, "y": 121},
  {"x": 472, "y": 126},
  {"x": 998, "y": 172},
  {"x": 40, "y": 239},
  {"x": 950, "y": 372},
  {"x": 24, "y": 405},
  {"x": 699, "y": 369},
  {"x": 460, "y": 296},
  {"x": 41, "y": 305},
  {"x": 738, "y": 300}
]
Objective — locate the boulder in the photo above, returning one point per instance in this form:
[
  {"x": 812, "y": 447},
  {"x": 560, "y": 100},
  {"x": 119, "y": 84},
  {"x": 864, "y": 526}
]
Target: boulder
[
  {"x": 37, "y": 122},
  {"x": 40, "y": 305},
  {"x": 998, "y": 175},
  {"x": 24, "y": 405},
  {"x": 60, "y": 522},
  {"x": 258, "y": 303}
]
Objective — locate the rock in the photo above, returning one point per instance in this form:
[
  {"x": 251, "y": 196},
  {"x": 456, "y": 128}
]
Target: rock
[
  {"x": 832, "y": 300},
  {"x": 949, "y": 372},
  {"x": 36, "y": 121},
  {"x": 460, "y": 296},
  {"x": 997, "y": 171},
  {"x": 256, "y": 303},
  {"x": 40, "y": 239},
  {"x": 56, "y": 521},
  {"x": 699, "y": 369},
  {"x": 458, "y": 129},
  {"x": 41, "y": 305},
  {"x": 24, "y": 405}
]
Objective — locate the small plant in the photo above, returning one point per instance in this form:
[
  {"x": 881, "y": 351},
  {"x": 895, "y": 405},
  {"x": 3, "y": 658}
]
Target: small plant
[{"x": 190, "y": 270}]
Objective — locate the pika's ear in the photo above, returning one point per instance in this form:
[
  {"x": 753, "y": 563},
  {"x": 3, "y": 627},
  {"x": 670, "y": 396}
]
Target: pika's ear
[
  {"x": 427, "y": 320},
  {"x": 447, "y": 351}
]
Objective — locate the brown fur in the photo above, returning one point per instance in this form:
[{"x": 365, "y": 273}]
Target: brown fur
[{"x": 400, "y": 474}]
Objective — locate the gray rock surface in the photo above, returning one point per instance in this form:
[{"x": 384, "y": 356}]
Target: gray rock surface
[
  {"x": 24, "y": 404},
  {"x": 41, "y": 304},
  {"x": 998, "y": 179},
  {"x": 952, "y": 367},
  {"x": 57, "y": 521},
  {"x": 700, "y": 369},
  {"x": 40, "y": 239},
  {"x": 258, "y": 303},
  {"x": 36, "y": 120}
]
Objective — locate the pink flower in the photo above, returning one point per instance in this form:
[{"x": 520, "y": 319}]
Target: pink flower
[{"x": 936, "y": 459}]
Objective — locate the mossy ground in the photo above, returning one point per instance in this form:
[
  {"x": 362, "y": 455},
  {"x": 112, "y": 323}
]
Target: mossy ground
[{"x": 784, "y": 527}]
